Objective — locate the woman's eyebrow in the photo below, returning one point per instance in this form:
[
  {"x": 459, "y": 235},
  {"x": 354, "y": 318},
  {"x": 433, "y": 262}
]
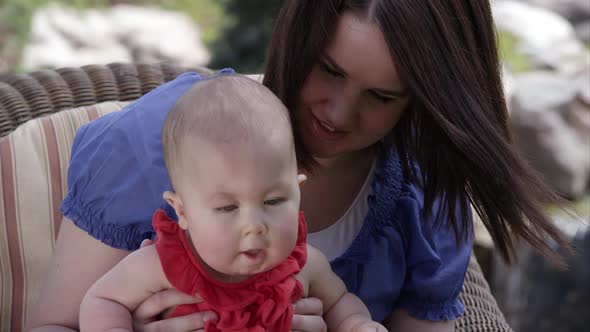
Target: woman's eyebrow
[{"x": 335, "y": 66}]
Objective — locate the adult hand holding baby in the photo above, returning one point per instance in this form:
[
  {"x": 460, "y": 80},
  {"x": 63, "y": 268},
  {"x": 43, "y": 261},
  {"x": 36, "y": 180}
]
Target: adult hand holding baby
[{"x": 307, "y": 318}]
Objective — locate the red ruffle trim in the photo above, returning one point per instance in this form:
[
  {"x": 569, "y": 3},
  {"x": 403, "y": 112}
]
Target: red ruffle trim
[{"x": 261, "y": 303}]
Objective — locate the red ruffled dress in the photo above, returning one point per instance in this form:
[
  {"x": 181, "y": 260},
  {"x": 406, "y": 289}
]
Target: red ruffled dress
[{"x": 260, "y": 303}]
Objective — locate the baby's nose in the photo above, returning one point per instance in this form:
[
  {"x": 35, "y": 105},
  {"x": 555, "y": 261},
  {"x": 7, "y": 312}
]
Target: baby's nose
[{"x": 255, "y": 227}]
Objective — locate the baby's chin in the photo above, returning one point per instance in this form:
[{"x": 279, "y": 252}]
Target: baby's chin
[
  {"x": 242, "y": 273},
  {"x": 251, "y": 271}
]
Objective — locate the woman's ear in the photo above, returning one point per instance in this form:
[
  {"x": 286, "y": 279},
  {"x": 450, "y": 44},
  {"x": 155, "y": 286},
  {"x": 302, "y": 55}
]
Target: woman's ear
[
  {"x": 176, "y": 202},
  {"x": 301, "y": 178}
]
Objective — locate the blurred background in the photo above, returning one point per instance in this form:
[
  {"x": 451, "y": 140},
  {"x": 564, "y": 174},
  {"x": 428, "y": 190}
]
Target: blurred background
[{"x": 545, "y": 50}]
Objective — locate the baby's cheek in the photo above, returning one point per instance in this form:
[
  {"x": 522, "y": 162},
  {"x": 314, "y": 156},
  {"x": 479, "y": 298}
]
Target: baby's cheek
[
  {"x": 215, "y": 246},
  {"x": 287, "y": 237}
]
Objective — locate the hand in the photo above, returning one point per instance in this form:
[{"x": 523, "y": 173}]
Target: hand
[
  {"x": 370, "y": 326},
  {"x": 309, "y": 316},
  {"x": 146, "y": 317}
]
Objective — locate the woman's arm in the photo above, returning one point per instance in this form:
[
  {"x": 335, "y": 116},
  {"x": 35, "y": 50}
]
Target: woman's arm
[
  {"x": 78, "y": 261},
  {"x": 401, "y": 321}
]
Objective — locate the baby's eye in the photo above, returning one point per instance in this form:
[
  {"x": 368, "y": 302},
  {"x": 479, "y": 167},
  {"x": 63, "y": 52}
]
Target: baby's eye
[
  {"x": 274, "y": 201},
  {"x": 226, "y": 208}
]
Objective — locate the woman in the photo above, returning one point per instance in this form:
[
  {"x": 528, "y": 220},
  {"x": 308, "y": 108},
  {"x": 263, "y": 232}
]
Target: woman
[{"x": 400, "y": 123}]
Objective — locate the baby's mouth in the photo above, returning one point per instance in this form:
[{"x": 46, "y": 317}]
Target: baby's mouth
[{"x": 254, "y": 254}]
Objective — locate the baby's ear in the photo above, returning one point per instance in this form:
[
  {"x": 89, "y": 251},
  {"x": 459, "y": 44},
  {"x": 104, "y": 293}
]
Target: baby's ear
[
  {"x": 176, "y": 202},
  {"x": 301, "y": 178}
]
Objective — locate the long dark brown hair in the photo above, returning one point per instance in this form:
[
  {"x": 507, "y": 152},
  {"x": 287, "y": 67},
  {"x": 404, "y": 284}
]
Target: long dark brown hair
[{"x": 456, "y": 126}]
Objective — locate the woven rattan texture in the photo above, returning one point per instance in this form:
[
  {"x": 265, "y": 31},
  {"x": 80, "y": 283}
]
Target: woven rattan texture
[{"x": 27, "y": 96}]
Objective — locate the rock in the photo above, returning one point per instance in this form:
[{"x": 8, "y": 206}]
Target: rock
[
  {"x": 62, "y": 36},
  {"x": 573, "y": 10},
  {"x": 582, "y": 82},
  {"x": 156, "y": 35},
  {"x": 545, "y": 107},
  {"x": 578, "y": 115},
  {"x": 546, "y": 38},
  {"x": 507, "y": 85},
  {"x": 536, "y": 296},
  {"x": 3, "y": 66},
  {"x": 583, "y": 31}
]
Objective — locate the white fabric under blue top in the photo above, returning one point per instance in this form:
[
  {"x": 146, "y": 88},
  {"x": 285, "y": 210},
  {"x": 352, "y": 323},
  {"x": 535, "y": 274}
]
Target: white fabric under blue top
[{"x": 334, "y": 240}]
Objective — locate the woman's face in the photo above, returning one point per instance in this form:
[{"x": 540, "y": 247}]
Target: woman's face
[{"x": 353, "y": 97}]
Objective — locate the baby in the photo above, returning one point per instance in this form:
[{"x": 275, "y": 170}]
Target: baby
[{"x": 240, "y": 240}]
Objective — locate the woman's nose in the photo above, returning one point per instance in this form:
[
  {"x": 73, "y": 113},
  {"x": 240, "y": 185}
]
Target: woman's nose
[{"x": 342, "y": 112}]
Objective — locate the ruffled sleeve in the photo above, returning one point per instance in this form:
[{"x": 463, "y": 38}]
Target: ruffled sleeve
[
  {"x": 117, "y": 174},
  {"x": 436, "y": 262}
]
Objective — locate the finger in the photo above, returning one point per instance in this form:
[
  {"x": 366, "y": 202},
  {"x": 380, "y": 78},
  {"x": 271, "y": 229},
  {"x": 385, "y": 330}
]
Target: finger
[
  {"x": 192, "y": 322},
  {"x": 145, "y": 243},
  {"x": 308, "y": 323},
  {"x": 309, "y": 306},
  {"x": 161, "y": 301}
]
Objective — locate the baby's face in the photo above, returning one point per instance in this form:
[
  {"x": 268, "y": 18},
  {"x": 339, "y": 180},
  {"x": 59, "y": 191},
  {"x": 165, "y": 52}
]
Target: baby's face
[{"x": 241, "y": 206}]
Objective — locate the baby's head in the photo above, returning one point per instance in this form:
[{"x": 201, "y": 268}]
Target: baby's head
[{"x": 229, "y": 152}]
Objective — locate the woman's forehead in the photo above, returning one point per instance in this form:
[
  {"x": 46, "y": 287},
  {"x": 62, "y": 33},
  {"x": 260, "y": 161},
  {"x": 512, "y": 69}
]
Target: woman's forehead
[{"x": 359, "y": 48}]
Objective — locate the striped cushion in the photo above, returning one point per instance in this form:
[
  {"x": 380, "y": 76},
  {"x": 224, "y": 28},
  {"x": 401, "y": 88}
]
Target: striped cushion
[{"x": 33, "y": 174}]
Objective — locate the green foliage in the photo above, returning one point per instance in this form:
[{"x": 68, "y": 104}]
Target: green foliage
[
  {"x": 16, "y": 15},
  {"x": 15, "y": 24},
  {"x": 245, "y": 34},
  {"x": 580, "y": 206},
  {"x": 508, "y": 45},
  {"x": 209, "y": 14}
]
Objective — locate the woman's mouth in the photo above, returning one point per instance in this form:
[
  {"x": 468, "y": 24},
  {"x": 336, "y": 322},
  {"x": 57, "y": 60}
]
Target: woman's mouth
[
  {"x": 323, "y": 130},
  {"x": 328, "y": 128}
]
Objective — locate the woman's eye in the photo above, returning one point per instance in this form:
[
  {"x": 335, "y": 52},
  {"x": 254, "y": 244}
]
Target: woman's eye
[
  {"x": 274, "y": 201},
  {"x": 329, "y": 70},
  {"x": 226, "y": 208},
  {"x": 381, "y": 98}
]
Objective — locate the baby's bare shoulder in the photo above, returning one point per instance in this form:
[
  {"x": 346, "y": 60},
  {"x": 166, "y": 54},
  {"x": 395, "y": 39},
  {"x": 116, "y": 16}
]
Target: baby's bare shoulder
[
  {"x": 146, "y": 262},
  {"x": 319, "y": 280},
  {"x": 317, "y": 262},
  {"x": 317, "y": 265}
]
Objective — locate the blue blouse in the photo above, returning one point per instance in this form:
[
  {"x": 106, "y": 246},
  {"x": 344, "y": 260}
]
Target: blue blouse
[{"x": 399, "y": 260}]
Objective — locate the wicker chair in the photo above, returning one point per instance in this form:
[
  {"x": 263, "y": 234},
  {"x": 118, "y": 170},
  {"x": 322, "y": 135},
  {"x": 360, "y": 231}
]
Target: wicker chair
[{"x": 28, "y": 96}]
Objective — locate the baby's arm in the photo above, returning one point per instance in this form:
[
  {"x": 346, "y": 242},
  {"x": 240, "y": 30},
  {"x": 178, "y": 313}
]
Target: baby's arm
[
  {"x": 343, "y": 311},
  {"x": 108, "y": 304}
]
